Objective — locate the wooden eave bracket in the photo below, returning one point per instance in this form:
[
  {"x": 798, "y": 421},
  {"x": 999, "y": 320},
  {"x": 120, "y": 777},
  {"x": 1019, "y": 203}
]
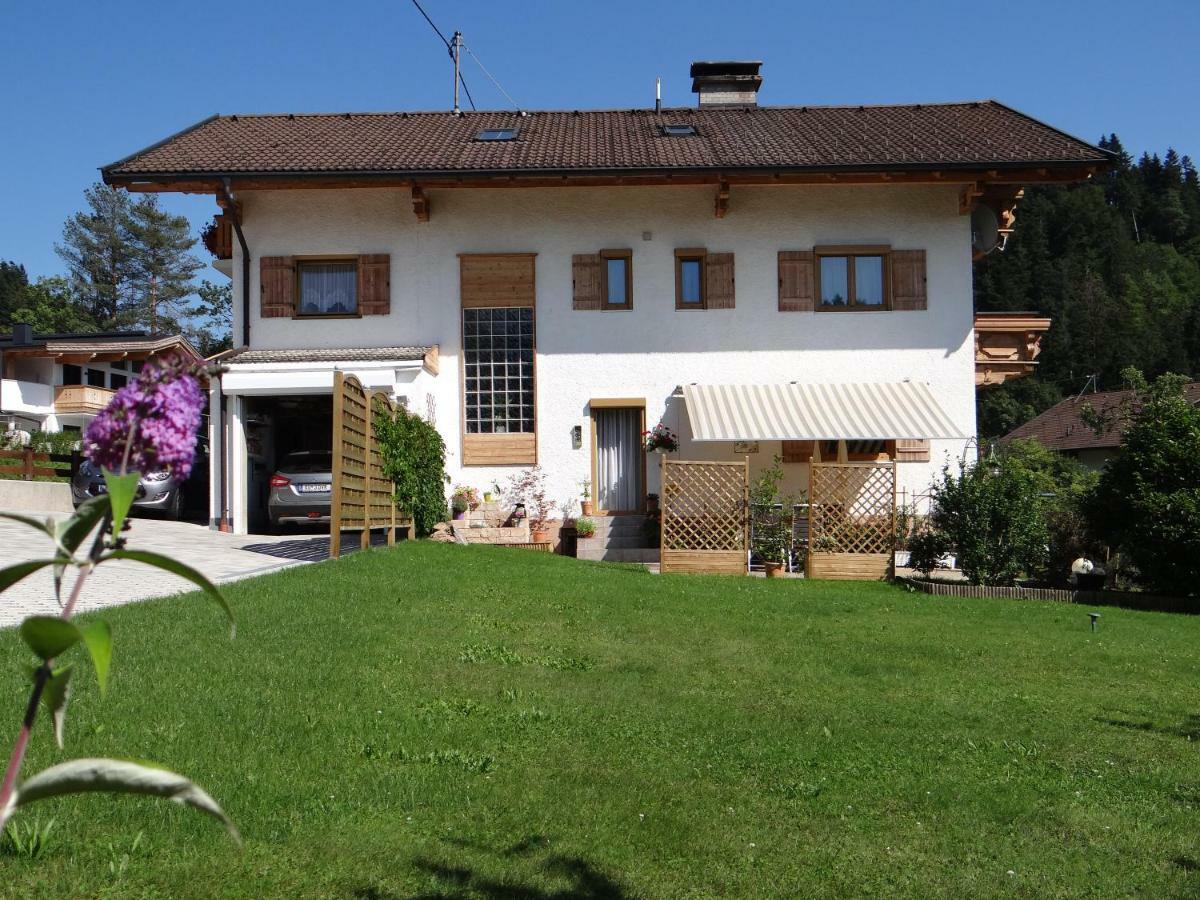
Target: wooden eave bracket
[
  {"x": 430, "y": 362},
  {"x": 420, "y": 203},
  {"x": 967, "y": 198},
  {"x": 721, "y": 205}
]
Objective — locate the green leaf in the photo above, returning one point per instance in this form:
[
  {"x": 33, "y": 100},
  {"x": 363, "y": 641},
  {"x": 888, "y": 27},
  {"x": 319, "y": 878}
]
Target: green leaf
[
  {"x": 183, "y": 571},
  {"x": 121, "y": 491},
  {"x": 80, "y": 776},
  {"x": 13, "y": 574},
  {"x": 55, "y": 695},
  {"x": 49, "y": 636},
  {"x": 97, "y": 637},
  {"x": 71, "y": 532},
  {"x": 46, "y": 526}
]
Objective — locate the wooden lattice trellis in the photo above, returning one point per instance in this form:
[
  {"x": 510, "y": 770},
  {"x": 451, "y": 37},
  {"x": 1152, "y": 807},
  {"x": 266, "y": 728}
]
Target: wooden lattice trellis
[
  {"x": 704, "y": 516},
  {"x": 362, "y": 498},
  {"x": 852, "y": 520}
]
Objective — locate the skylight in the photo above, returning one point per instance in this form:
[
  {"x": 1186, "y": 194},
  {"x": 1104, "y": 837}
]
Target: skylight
[
  {"x": 496, "y": 134},
  {"x": 678, "y": 129}
]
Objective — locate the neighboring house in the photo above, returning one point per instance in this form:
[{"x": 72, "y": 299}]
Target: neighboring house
[
  {"x": 58, "y": 382},
  {"x": 544, "y": 285},
  {"x": 1064, "y": 427}
]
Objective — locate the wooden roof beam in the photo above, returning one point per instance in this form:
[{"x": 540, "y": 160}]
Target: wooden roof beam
[
  {"x": 420, "y": 203},
  {"x": 721, "y": 204}
]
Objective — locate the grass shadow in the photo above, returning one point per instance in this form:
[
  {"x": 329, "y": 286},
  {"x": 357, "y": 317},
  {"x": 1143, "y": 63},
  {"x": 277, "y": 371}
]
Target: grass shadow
[
  {"x": 1189, "y": 728},
  {"x": 577, "y": 878}
]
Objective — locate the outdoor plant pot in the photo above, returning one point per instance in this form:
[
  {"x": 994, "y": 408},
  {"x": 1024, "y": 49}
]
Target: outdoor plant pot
[
  {"x": 586, "y": 507},
  {"x": 773, "y": 569},
  {"x": 487, "y": 497},
  {"x": 541, "y": 536},
  {"x": 459, "y": 515}
]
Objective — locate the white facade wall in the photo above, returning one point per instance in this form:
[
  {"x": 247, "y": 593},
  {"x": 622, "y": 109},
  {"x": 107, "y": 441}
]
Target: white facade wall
[{"x": 650, "y": 350}]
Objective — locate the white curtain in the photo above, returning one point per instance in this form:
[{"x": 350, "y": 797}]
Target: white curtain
[
  {"x": 328, "y": 288},
  {"x": 619, "y": 459}
]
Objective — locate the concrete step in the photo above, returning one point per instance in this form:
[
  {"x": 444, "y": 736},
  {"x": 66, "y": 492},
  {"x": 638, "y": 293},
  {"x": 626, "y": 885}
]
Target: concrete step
[
  {"x": 621, "y": 554},
  {"x": 616, "y": 541}
]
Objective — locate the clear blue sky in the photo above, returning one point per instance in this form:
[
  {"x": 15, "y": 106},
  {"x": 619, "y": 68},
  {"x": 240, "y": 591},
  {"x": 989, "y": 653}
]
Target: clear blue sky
[{"x": 88, "y": 82}]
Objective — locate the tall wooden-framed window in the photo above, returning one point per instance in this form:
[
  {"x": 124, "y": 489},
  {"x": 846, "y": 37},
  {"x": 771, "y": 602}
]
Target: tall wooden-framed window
[
  {"x": 852, "y": 278},
  {"x": 499, "y": 419},
  {"x": 616, "y": 279},
  {"x": 327, "y": 287},
  {"x": 690, "y": 292}
]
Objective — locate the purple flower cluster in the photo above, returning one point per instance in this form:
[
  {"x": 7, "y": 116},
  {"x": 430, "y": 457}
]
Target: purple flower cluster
[{"x": 149, "y": 425}]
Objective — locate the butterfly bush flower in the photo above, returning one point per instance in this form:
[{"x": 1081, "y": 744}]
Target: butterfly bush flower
[{"x": 150, "y": 424}]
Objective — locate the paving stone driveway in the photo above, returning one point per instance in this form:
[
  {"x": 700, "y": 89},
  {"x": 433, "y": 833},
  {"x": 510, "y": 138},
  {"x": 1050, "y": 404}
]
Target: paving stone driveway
[{"x": 221, "y": 557}]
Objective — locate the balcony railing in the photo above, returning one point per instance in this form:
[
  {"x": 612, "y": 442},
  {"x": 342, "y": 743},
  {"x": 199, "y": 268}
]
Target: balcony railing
[{"x": 81, "y": 398}]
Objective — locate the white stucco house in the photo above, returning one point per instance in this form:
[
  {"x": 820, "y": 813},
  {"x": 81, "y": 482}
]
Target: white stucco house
[{"x": 544, "y": 285}]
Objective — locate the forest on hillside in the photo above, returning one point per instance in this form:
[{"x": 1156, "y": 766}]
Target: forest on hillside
[{"x": 1115, "y": 264}]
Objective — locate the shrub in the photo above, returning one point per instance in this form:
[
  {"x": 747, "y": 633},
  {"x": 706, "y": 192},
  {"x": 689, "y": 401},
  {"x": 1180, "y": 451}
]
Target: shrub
[
  {"x": 1148, "y": 500},
  {"x": 925, "y": 550},
  {"x": 528, "y": 487},
  {"x": 991, "y": 515},
  {"x": 414, "y": 458}
]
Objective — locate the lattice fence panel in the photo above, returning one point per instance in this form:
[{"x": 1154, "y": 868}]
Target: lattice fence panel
[
  {"x": 704, "y": 506},
  {"x": 380, "y": 492},
  {"x": 852, "y": 507}
]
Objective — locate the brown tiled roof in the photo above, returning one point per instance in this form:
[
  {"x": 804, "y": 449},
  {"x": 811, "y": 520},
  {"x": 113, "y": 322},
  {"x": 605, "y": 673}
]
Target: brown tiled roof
[
  {"x": 982, "y": 134},
  {"x": 99, "y": 343},
  {"x": 1062, "y": 426},
  {"x": 325, "y": 354}
]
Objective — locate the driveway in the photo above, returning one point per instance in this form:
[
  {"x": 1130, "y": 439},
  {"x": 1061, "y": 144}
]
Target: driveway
[{"x": 220, "y": 557}]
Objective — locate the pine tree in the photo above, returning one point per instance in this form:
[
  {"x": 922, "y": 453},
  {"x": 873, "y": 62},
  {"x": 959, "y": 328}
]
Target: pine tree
[
  {"x": 99, "y": 255},
  {"x": 163, "y": 267}
]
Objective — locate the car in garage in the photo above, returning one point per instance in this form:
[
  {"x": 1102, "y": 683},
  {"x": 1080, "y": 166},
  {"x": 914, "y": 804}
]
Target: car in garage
[{"x": 301, "y": 489}]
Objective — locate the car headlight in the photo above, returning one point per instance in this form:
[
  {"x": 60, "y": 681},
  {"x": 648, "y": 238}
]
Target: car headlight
[{"x": 156, "y": 476}]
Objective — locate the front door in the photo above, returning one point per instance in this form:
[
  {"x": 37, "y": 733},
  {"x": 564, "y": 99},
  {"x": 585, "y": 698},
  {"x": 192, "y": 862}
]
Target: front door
[{"x": 619, "y": 459}]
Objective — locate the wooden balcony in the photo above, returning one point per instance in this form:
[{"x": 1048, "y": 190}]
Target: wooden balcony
[
  {"x": 1007, "y": 346},
  {"x": 81, "y": 398},
  {"x": 218, "y": 237}
]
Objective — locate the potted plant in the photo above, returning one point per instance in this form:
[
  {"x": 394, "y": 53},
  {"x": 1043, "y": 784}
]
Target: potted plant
[
  {"x": 651, "y": 503},
  {"x": 465, "y": 497},
  {"x": 771, "y": 533},
  {"x": 585, "y": 528},
  {"x": 459, "y": 505},
  {"x": 490, "y": 496},
  {"x": 527, "y": 490},
  {"x": 660, "y": 439},
  {"x": 585, "y": 501}
]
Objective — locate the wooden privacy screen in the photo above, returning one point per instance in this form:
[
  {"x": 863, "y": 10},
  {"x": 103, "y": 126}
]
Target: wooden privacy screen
[
  {"x": 363, "y": 499},
  {"x": 852, "y": 520},
  {"x": 705, "y": 516}
]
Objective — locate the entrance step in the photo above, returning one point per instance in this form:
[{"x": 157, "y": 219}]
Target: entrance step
[{"x": 593, "y": 550}]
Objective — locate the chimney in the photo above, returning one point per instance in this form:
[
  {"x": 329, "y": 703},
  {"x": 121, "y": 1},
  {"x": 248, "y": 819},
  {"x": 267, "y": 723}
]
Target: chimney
[
  {"x": 22, "y": 334},
  {"x": 728, "y": 83}
]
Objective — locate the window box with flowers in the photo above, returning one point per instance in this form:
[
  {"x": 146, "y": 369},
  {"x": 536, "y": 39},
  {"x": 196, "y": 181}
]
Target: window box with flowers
[{"x": 660, "y": 439}]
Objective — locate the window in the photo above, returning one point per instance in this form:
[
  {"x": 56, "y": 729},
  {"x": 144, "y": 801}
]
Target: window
[
  {"x": 72, "y": 374},
  {"x": 116, "y": 381},
  {"x": 858, "y": 451},
  {"x": 118, "y": 364},
  {"x": 852, "y": 278},
  {"x": 95, "y": 377},
  {"x": 137, "y": 365},
  {"x": 689, "y": 279},
  {"x": 498, "y": 368},
  {"x": 327, "y": 288},
  {"x": 678, "y": 129},
  {"x": 496, "y": 134},
  {"x": 616, "y": 279}
]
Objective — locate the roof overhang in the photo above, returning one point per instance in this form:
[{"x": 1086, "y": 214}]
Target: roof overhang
[{"x": 804, "y": 412}]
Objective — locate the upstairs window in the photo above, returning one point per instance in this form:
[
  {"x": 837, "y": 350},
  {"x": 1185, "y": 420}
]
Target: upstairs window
[
  {"x": 852, "y": 278},
  {"x": 689, "y": 279},
  {"x": 678, "y": 129},
  {"x": 496, "y": 134},
  {"x": 616, "y": 279},
  {"x": 327, "y": 288}
]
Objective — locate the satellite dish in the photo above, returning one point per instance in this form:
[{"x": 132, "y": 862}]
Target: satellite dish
[{"x": 985, "y": 229}]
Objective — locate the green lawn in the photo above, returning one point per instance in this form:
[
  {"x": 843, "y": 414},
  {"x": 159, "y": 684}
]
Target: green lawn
[{"x": 443, "y": 721}]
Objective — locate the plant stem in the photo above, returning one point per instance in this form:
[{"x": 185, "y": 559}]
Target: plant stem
[{"x": 42, "y": 675}]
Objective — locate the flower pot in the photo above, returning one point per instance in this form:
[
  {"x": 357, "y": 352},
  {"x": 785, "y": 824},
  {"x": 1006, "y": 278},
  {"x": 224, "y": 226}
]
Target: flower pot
[
  {"x": 459, "y": 516},
  {"x": 586, "y": 506},
  {"x": 541, "y": 536},
  {"x": 487, "y": 497},
  {"x": 773, "y": 569}
]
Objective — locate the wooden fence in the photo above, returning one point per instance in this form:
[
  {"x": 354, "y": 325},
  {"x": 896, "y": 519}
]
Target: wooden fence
[
  {"x": 26, "y": 465},
  {"x": 852, "y": 520},
  {"x": 362, "y": 499},
  {"x": 705, "y": 517}
]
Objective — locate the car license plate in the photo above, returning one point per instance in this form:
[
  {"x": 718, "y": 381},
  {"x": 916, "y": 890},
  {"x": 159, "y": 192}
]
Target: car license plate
[{"x": 313, "y": 488}]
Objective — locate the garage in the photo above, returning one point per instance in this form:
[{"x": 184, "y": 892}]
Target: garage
[{"x": 288, "y": 459}]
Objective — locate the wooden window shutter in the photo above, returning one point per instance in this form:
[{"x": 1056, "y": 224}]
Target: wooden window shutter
[
  {"x": 797, "y": 451},
  {"x": 908, "y": 280},
  {"x": 277, "y": 285},
  {"x": 585, "y": 281},
  {"x": 375, "y": 284},
  {"x": 718, "y": 278},
  {"x": 912, "y": 451},
  {"x": 796, "y": 281}
]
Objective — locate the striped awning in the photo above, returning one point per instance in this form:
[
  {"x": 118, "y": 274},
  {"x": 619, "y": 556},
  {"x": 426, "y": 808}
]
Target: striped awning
[{"x": 822, "y": 412}]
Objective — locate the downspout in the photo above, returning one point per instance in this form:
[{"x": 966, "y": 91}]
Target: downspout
[{"x": 237, "y": 227}]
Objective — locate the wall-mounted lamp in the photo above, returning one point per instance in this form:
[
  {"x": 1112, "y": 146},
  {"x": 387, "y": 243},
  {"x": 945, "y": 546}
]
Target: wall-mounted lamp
[{"x": 577, "y": 436}]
